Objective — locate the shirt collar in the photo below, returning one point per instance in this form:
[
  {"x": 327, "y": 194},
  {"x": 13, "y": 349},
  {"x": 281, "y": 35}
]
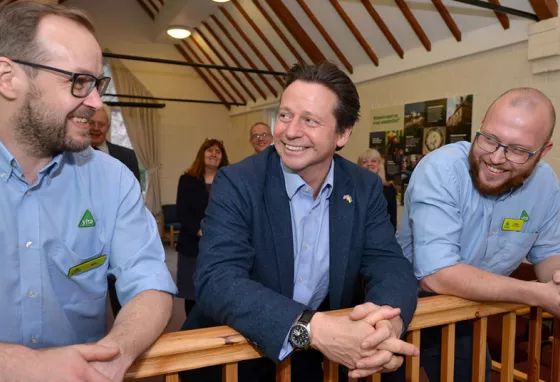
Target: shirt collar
[
  {"x": 8, "y": 163},
  {"x": 294, "y": 182},
  {"x": 104, "y": 147}
]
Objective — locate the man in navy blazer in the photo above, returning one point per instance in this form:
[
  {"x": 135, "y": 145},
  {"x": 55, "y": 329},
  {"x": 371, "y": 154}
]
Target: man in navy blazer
[{"x": 288, "y": 232}]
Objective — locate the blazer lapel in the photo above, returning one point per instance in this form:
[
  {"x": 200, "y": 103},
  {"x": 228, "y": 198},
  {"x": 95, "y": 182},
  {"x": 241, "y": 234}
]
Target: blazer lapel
[
  {"x": 341, "y": 213},
  {"x": 278, "y": 208}
]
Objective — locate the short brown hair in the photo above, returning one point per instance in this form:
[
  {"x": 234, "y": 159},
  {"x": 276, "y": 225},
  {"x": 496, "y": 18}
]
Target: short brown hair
[
  {"x": 347, "y": 109},
  {"x": 18, "y": 28},
  {"x": 197, "y": 167}
]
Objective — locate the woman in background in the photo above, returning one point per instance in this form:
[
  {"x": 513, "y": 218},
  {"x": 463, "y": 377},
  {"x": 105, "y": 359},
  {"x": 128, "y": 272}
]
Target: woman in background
[
  {"x": 371, "y": 159},
  {"x": 192, "y": 199}
]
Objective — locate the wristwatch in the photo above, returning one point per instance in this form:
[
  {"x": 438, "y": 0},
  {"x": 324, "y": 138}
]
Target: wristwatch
[{"x": 300, "y": 333}]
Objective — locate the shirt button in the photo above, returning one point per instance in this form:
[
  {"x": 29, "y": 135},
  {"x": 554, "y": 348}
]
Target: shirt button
[
  {"x": 484, "y": 262},
  {"x": 33, "y": 340},
  {"x": 28, "y": 193},
  {"x": 3, "y": 175},
  {"x": 29, "y": 244},
  {"x": 31, "y": 293},
  {"x": 492, "y": 233},
  {"x": 306, "y": 245},
  {"x": 301, "y": 279},
  {"x": 306, "y": 189}
]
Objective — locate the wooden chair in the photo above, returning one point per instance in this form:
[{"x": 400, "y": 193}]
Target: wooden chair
[{"x": 171, "y": 227}]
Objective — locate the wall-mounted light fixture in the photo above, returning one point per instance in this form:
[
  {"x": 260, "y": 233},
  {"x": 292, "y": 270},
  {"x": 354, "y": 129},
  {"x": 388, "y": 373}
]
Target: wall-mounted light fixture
[
  {"x": 178, "y": 32},
  {"x": 220, "y": 1}
]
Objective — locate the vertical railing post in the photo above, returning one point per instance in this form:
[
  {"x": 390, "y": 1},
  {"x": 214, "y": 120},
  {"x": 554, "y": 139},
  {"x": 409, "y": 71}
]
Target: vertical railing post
[
  {"x": 555, "y": 373},
  {"x": 330, "y": 371},
  {"x": 172, "y": 377},
  {"x": 479, "y": 349},
  {"x": 284, "y": 370},
  {"x": 230, "y": 372},
  {"x": 447, "y": 352},
  {"x": 413, "y": 363},
  {"x": 508, "y": 346},
  {"x": 535, "y": 342}
]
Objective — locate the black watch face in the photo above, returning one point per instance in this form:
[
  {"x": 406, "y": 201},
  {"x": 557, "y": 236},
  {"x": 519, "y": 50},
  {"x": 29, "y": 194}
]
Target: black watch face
[{"x": 299, "y": 336}]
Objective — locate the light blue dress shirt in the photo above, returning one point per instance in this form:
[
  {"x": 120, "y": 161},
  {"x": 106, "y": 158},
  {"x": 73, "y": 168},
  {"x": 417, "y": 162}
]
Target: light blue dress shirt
[
  {"x": 446, "y": 221},
  {"x": 82, "y": 207},
  {"x": 310, "y": 227}
]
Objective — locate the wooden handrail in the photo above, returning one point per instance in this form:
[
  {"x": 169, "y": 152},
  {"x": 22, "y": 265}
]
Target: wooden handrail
[{"x": 192, "y": 349}]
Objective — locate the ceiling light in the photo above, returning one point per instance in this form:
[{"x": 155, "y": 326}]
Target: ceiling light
[
  {"x": 220, "y": 1},
  {"x": 178, "y": 32}
]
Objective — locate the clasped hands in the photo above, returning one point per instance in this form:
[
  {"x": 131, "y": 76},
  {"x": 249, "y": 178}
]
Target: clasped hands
[{"x": 366, "y": 341}]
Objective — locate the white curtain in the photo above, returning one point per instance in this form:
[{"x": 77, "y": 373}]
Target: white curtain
[{"x": 142, "y": 126}]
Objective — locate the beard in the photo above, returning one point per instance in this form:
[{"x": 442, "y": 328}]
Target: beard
[
  {"x": 43, "y": 132},
  {"x": 512, "y": 182}
]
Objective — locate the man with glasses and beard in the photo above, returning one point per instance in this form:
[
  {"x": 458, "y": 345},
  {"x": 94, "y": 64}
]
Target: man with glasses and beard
[
  {"x": 70, "y": 216},
  {"x": 475, "y": 211}
]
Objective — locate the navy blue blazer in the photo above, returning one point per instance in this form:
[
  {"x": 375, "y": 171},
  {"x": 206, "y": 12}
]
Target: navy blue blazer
[{"x": 245, "y": 269}]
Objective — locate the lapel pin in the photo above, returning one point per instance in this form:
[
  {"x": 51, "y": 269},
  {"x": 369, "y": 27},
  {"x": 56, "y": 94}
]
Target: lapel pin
[{"x": 348, "y": 198}]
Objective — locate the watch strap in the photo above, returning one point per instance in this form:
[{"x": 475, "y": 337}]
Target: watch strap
[{"x": 306, "y": 316}]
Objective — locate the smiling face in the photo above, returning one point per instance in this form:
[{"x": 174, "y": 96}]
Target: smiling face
[
  {"x": 517, "y": 126},
  {"x": 305, "y": 133},
  {"x": 372, "y": 164},
  {"x": 212, "y": 157},
  {"x": 260, "y": 137},
  {"x": 51, "y": 119},
  {"x": 98, "y": 128}
]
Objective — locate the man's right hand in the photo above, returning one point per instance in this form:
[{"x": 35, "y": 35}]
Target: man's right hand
[
  {"x": 551, "y": 295},
  {"x": 340, "y": 338},
  {"x": 68, "y": 363}
]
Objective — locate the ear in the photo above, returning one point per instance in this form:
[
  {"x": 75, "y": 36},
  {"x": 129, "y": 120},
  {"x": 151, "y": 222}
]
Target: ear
[
  {"x": 343, "y": 138},
  {"x": 547, "y": 147},
  {"x": 7, "y": 79}
]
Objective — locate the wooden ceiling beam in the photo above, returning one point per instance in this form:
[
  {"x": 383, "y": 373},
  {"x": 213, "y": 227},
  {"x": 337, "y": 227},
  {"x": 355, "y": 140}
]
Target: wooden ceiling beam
[
  {"x": 357, "y": 35},
  {"x": 383, "y": 27},
  {"x": 200, "y": 73},
  {"x": 326, "y": 36},
  {"x": 446, "y": 16},
  {"x": 242, "y": 52},
  {"x": 212, "y": 62},
  {"x": 281, "y": 34},
  {"x": 502, "y": 17},
  {"x": 233, "y": 58},
  {"x": 545, "y": 9},
  {"x": 409, "y": 16},
  {"x": 261, "y": 35},
  {"x": 146, "y": 9},
  {"x": 224, "y": 62},
  {"x": 154, "y": 6},
  {"x": 251, "y": 45}
]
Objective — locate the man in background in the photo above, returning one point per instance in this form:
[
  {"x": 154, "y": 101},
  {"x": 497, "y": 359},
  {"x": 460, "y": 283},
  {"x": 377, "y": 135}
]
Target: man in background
[
  {"x": 99, "y": 126},
  {"x": 260, "y": 136}
]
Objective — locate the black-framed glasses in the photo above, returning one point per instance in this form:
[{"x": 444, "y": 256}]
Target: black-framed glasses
[
  {"x": 512, "y": 153},
  {"x": 82, "y": 83},
  {"x": 256, "y": 137}
]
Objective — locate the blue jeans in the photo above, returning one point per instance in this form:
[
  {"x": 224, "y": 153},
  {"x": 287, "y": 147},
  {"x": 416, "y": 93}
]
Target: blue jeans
[{"x": 430, "y": 355}]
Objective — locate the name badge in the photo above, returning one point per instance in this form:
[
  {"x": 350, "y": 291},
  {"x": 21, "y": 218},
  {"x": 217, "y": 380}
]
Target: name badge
[
  {"x": 512, "y": 225},
  {"x": 88, "y": 265}
]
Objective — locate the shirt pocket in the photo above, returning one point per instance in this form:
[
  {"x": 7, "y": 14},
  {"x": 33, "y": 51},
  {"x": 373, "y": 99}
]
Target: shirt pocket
[
  {"x": 512, "y": 248},
  {"x": 87, "y": 283}
]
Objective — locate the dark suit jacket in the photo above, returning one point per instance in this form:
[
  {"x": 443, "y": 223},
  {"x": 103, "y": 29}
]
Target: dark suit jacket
[
  {"x": 245, "y": 270},
  {"x": 192, "y": 199},
  {"x": 126, "y": 156}
]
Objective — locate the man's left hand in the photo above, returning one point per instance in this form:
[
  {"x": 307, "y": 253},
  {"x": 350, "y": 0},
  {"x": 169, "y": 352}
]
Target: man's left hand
[{"x": 384, "y": 342}]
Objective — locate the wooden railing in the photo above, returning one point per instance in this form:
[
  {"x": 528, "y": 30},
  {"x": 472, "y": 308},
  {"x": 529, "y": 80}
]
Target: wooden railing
[{"x": 174, "y": 352}]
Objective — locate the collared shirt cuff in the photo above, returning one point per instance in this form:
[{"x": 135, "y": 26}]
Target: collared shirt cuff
[{"x": 287, "y": 348}]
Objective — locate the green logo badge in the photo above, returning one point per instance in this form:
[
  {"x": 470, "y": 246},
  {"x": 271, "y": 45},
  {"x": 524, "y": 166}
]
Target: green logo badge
[
  {"x": 524, "y": 216},
  {"x": 87, "y": 220}
]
